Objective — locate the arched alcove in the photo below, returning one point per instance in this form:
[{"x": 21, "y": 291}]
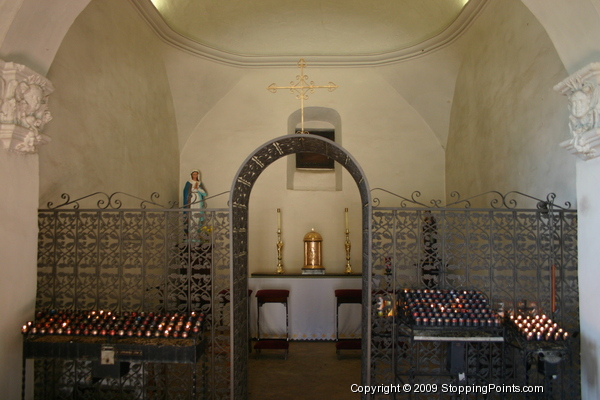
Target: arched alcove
[{"x": 241, "y": 188}]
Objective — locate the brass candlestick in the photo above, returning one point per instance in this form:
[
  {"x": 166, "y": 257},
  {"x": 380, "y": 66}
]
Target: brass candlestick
[
  {"x": 348, "y": 246},
  {"x": 279, "y": 269}
]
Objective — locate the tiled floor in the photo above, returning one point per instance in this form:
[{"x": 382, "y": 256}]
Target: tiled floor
[{"x": 312, "y": 371}]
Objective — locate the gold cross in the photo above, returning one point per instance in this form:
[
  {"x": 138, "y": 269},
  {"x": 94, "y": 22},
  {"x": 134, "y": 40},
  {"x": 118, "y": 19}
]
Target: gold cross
[{"x": 301, "y": 88}]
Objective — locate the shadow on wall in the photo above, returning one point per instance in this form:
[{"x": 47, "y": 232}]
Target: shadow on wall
[{"x": 590, "y": 365}]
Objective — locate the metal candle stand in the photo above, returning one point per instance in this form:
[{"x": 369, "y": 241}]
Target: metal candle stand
[
  {"x": 445, "y": 327},
  {"x": 543, "y": 353},
  {"x": 111, "y": 354}
]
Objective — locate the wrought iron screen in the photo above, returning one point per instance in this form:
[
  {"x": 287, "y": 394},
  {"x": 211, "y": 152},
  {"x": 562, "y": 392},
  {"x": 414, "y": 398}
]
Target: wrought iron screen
[
  {"x": 167, "y": 259},
  {"x": 504, "y": 251},
  {"x": 150, "y": 259}
]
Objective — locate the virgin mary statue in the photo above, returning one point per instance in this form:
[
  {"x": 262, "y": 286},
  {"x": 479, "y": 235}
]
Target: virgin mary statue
[
  {"x": 193, "y": 198},
  {"x": 194, "y": 192}
]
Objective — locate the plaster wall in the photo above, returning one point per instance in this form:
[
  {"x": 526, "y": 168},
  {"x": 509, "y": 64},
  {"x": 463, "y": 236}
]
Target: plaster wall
[
  {"x": 427, "y": 84},
  {"x": 507, "y": 122},
  {"x": 573, "y": 26},
  {"x": 18, "y": 244},
  {"x": 32, "y": 37},
  {"x": 33, "y": 30},
  {"x": 394, "y": 146},
  {"x": 196, "y": 86},
  {"x": 588, "y": 195},
  {"x": 113, "y": 125},
  {"x": 9, "y": 10}
]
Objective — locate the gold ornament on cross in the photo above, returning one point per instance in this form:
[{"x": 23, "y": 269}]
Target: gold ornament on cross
[{"x": 301, "y": 88}]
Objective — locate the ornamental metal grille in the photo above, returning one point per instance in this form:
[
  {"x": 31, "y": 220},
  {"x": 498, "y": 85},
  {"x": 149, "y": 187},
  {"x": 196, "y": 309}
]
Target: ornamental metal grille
[
  {"x": 504, "y": 251},
  {"x": 150, "y": 258},
  {"x": 154, "y": 258}
]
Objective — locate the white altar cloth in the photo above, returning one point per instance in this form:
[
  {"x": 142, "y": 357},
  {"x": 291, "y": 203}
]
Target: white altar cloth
[{"x": 311, "y": 307}]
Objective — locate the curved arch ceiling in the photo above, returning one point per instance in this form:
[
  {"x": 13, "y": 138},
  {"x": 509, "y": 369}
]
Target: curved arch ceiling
[{"x": 326, "y": 29}]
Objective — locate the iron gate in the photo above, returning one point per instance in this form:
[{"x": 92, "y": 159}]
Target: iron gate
[
  {"x": 151, "y": 259},
  {"x": 506, "y": 252}
]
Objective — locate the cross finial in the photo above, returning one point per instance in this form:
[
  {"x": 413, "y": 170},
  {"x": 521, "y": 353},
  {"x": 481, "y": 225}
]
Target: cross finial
[{"x": 301, "y": 88}]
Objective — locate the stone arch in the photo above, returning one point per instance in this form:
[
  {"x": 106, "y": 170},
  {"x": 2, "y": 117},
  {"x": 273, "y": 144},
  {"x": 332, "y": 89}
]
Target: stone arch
[{"x": 239, "y": 199}]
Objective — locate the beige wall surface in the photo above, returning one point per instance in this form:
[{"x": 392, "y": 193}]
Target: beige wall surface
[
  {"x": 507, "y": 121},
  {"x": 510, "y": 120},
  {"x": 390, "y": 140},
  {"x": 112, "y": 98},
  {"x": 114, "y": 127},
  {"x": 588, "y": 196},
  {"x": 9, "y": 10},
  {"x": 31, "y": 30},
  {"x": 18, "y": 243},
  {"x": 573, "y": 27}
]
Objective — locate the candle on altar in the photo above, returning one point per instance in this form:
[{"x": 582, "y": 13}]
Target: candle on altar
[
  {"x": 346, "y": 217},
  {"x": 279, "y": 219}
]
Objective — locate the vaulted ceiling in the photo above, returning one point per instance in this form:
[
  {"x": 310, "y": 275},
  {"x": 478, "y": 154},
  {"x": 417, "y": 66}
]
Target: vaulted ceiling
[{"x": 380, "y": 30}]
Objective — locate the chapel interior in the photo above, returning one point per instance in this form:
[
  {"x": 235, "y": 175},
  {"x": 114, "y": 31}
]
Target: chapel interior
[{"x": 377, "y": 148}]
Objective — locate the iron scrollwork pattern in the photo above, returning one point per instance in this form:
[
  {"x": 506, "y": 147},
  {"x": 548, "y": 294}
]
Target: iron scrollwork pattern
[
  {"x": 137, "y": 259},
  {"x": 502, "y": 250}
]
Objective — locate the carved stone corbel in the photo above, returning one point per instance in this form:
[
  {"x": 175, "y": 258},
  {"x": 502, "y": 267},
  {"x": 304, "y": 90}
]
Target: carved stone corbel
[
  {"x": 23, "y": 108},
  {"x": 581, "y": 89}
]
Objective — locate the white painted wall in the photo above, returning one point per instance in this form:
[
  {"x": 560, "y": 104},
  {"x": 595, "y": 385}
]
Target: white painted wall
[
  {"x": 9, "y": 11},
  {"x": 573, "y": 27},
  {"x": 113, "y": 129},
  {"x": 113, "y": 126},
  {"x": 31, "y": 32},
  {"x": 18, "y": 245},
  {"x": 30, "y": 36},
  {"x": 588, "y": 195},
  {"x": 507, "y": 121},
  {"x": 389, "y": 139}
]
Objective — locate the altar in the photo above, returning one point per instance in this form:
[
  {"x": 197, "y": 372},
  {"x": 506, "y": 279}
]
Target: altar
[{"x": 311, "y": 306}]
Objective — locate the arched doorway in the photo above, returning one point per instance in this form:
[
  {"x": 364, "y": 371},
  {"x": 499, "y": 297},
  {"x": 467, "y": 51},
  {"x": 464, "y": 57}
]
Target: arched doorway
[{"x": 239, "y": 199}]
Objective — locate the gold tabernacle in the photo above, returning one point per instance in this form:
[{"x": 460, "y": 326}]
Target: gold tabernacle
[{"x": 312, "y": 253}]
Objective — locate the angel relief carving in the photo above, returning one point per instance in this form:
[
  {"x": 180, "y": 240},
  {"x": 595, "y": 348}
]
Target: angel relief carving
[
  {"x": 583, "y": 98},
  {"x": 25, "y": 104},
  {"x": 23, "y": 107},
  {"x": 583, "y": 107}
]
